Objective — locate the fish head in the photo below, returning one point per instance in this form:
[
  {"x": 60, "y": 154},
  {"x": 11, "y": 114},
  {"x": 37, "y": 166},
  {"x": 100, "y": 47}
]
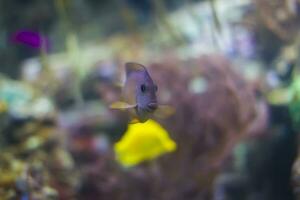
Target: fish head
[{"x": 145, "y": 89}]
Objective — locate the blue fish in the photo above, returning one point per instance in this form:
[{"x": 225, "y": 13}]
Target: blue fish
[
  {"x": 30, "y": 38},
  {"x": 139, "y": 93}
]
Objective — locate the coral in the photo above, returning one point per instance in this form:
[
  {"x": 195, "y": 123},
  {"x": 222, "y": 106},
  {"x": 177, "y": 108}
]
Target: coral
[{"x": 206, "y": 125}]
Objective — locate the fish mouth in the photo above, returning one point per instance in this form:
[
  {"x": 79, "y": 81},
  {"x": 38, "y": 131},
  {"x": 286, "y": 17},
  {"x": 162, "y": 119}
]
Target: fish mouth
[{"x": 151, "y": 107}]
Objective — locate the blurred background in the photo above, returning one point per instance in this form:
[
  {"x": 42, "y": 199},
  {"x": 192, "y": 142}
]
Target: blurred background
[{"x": 231, "y": 70}]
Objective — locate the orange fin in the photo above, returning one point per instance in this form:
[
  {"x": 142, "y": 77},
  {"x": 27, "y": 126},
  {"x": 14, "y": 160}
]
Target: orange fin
[
  {"x": 134, "y": 121},
  {"x": 121, "y": 105},
  {"x": 131, "y": 66},
  {"x": 164, "y": 111}
]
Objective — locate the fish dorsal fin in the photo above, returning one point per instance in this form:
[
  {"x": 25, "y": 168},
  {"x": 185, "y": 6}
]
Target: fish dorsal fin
[
  {"x": 133, "y": 67},
  {"x": 121, "y": 105}
]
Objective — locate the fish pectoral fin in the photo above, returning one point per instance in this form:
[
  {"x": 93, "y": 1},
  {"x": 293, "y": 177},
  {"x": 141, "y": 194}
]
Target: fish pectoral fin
[
  {"x": 118, "y": 84},
  {"x": 164, "y": 111},
  {"x": 134, "y": 121},
  {"x": 121, "y": 105}
]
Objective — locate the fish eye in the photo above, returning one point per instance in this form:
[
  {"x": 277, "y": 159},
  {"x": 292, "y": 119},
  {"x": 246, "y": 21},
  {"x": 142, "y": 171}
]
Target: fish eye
[
  {"x": 155, "y": 88},
  {"x": 143, "y": 88}
]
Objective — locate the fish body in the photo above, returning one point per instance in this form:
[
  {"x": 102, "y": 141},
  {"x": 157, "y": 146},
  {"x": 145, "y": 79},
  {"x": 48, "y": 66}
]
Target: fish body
[
  {"x": 139, "y": 93},
  {"x": 30, "y": 38}
]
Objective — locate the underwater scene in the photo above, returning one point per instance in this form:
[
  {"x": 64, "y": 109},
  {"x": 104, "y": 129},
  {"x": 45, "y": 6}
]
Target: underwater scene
[{"x": 149, "y": 100}]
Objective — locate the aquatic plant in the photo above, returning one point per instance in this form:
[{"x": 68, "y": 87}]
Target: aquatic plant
[
  {"x": 34, "y": 162},
  {"x": 279, "y": 16}
]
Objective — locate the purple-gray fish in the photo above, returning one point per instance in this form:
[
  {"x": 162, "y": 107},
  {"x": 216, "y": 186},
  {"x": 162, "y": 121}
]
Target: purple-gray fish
[{"x": 139, "y": 93}]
